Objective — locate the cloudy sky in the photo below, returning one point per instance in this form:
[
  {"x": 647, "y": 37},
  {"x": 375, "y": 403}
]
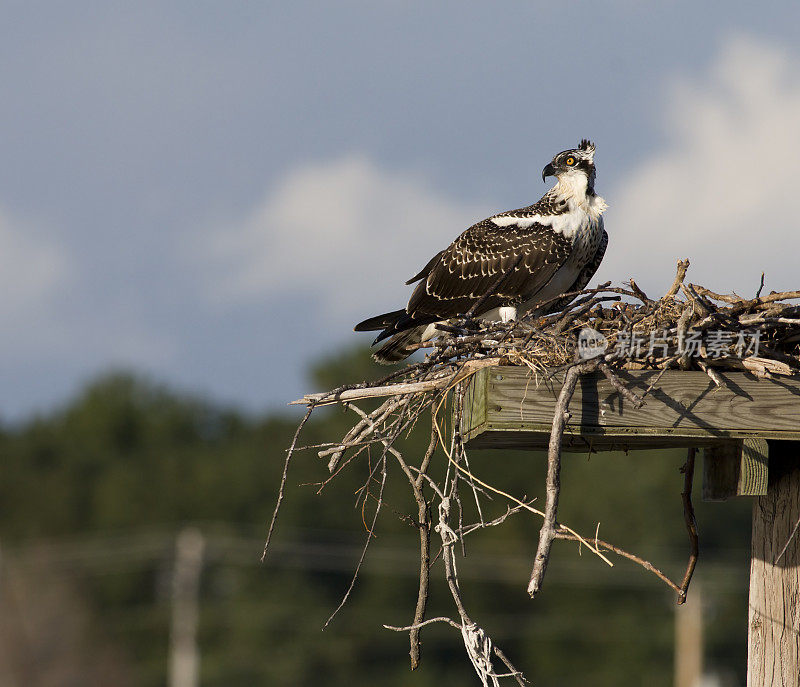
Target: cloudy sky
[{"x": 213, "y": 193}]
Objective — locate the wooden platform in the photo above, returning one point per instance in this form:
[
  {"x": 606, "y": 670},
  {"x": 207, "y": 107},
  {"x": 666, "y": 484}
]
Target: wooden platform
[
  {"x": 510, "y": 407},
  {"x": 750, "y": 433}
]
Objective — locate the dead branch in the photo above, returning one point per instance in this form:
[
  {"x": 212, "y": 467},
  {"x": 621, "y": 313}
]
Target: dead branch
[
  {"x": 360, "y": 431},
  {"x": 423, "y": 523},
  {"x": 683, "y": 265},
  {"x": 697, "y": 329},
  {"x": 641, "y": 295},
  {"x": 478, "y": 644},
  {"x": 725, "y": 298},
  {"x": 635, "y": 400},
  {"x": 600, "y": 544},
  {"x": 402, "y": 389},
  {"x": 547, "y": 531},
  {"x": 279, "y": 500},
  {"x": 691, "y": 523},
  {"x": 370, "y": 535}
]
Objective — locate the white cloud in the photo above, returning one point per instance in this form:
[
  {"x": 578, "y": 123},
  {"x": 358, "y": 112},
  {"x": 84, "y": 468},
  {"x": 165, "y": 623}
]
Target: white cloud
[
  {"x": 724, "y": 190},
  {"x": 32, "y": 268},
  {"x": 345, "y": 233}
]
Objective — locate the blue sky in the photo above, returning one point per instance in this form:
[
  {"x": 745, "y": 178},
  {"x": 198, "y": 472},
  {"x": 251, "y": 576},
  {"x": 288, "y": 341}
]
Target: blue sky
[{"x": 213, "y": 193}]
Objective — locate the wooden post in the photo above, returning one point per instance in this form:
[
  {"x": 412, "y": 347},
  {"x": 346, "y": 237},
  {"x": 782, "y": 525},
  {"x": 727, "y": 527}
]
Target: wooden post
[
  {"x": 184, "y": 659},
  {"x": 689, "y": 640},
  {"x": 774, "y": 611}
]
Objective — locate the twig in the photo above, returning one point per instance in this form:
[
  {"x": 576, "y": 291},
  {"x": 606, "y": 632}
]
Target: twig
[
  {"x": 547, "y": 532},
  {"x": 373, "y": 392},
  {"x": 683, "y": 265},
  {"x": 289, "y": 454},
  {"x": 518, "y": 676},
  {"x": 402, "y": 389},
  {"x": 712, "y": 373},
  {"x": 423, "y": 523},
  {"x": 599, "y": 543},
  {"x": 691, "y": 523},
  {"x": 625, "y": 392},
  {"x": 641, "y": 295},
  {"x": 469, "y": 529},
  {"x": 505, "y": 494},
  {"x": 360, "y": 431},
  {"x": 370, "y": 535}
]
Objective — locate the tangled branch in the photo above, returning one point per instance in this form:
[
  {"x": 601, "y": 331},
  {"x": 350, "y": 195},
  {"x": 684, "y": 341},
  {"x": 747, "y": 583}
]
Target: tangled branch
[{"x": 690, "y": 327}]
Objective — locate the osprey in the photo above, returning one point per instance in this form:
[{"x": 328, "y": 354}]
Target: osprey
[{"x": 544, "y": 250}]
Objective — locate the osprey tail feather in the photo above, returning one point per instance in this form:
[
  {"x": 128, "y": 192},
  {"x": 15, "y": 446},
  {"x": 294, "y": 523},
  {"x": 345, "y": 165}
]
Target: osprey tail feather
[
  {"x": 399, "y": 346},
  {"x": 388, "y": 319}
]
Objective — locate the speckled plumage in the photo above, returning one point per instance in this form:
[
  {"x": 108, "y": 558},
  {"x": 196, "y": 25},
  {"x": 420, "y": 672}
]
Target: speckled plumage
[{"x": 559, "y": 242}]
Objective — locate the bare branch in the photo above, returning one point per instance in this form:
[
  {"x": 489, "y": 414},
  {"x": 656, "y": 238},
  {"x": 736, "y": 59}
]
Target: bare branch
[
  {"x": 401, "y": 389},
  {"x": 683, "y": 265},
  {"x": 423, "y": 523},
  {"x": 547, "y": 345},
  {"x": 600, "y": 544},
  {"x": 370, "y": 535},
  {"x": 547, "y": 531},
  {"x": 691, "y": 523},
  {"x": 285, "y": 474},
  {"x": 636, "y": 401}
]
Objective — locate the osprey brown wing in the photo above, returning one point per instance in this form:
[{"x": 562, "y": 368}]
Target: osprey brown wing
[
  {"x": 584, "y": 276},
  {"x": 473, "y": 263}
]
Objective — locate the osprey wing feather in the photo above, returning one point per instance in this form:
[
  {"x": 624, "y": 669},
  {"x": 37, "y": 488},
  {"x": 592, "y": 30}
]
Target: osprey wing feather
[{"x": 475, "y": 261}]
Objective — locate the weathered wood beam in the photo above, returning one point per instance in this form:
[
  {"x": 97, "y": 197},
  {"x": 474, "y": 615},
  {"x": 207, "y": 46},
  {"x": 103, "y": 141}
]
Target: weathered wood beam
[
  {"x": 735, "y": 468},
  {"x": 774, "y": 610},
  {"x": 511, "y": 407}
]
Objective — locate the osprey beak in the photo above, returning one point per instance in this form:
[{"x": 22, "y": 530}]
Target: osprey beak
[{"x": 548, "y": 171}]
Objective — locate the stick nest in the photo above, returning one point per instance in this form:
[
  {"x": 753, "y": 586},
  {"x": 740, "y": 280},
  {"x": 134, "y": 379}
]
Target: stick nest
[
  {"x": 607, "y": 329},
  {"x": 690, "y": 327}
]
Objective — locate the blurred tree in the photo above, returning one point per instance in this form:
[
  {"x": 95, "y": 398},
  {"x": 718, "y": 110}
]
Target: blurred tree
[{"x": 116, "y": 472}]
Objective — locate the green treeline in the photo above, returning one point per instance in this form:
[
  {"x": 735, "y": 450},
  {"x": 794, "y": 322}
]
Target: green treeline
[{"x": 92, "y": 496}]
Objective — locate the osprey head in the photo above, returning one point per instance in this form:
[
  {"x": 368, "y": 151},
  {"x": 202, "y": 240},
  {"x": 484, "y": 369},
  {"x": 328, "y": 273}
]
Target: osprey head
[{"x": 578, "y": 160}]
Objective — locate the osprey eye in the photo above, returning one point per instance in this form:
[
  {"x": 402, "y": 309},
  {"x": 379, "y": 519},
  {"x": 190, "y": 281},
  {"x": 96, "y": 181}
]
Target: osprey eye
[{"x": 570, "y": 161}]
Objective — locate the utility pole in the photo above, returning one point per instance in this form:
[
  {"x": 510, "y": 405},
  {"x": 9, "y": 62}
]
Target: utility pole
[
  {"x": 184, "y": 658},
  {"x": 689, "y": 639}
]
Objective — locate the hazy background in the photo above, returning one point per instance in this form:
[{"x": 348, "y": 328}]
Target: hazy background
[
  {"x": 197, "y": 202},
  {"x": 216, "y": 192}
]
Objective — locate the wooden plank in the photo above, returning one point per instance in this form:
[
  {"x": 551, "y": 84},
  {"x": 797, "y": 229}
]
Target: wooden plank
[
  {"x": 753, "y": 471},
  {"x": 513, "y": 409},
  {"x": 773, "y": 655},
  {"x": 474, "y": 414},
  {"x": 735, "y": 468},
  {"x": 721, "y": 465}
]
